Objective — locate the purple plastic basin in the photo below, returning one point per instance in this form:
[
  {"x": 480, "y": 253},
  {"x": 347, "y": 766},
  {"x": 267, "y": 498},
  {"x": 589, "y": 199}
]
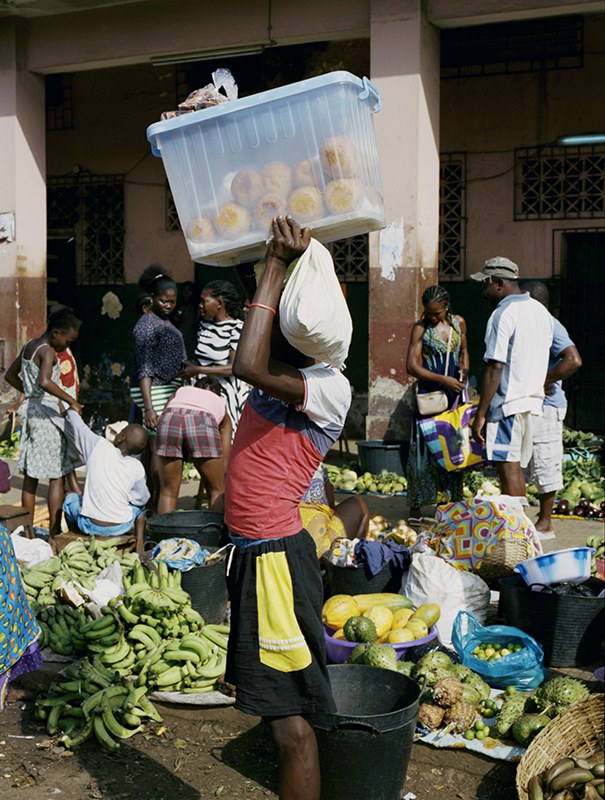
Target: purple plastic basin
[{"x": 338, "y": 650}]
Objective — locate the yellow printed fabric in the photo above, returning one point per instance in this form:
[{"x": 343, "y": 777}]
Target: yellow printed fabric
[
  {"x": 323, "y": 525},
  {"x": 281, "y": 642},
  {"x": 467, "y": 530}
]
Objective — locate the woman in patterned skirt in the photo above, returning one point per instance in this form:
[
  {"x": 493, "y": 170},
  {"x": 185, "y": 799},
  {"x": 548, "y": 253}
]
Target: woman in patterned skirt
[
  {"x": 436, "y": 332},
  {"x": 44, "y": 450}
]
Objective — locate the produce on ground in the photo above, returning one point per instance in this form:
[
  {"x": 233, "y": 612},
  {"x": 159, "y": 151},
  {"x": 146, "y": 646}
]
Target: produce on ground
[
  {"x": 598, "y": 543},
  {"x": 149, "y": 639},
  {"x": 572, "y": 438},
  {"x": 79, "y": 563},
  {"x": 570, "y": 778},
  {"x": 348, "y": 479},
  {"x": 583, "y": 494},
  {"x": 9, "y": 448},
  {"x": 380, "y": 528}
]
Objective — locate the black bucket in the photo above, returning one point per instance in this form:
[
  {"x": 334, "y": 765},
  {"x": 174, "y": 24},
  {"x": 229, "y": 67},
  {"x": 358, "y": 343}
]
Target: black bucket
[
  {"x": 359, "y": 580},
  {"x": 364, "y": 748},
  {"x": 207, "y": 586},
  {"x": 204, "y": 527},
  {"x": 569, "y": 627},
  {"x": 375, "y": 455}
]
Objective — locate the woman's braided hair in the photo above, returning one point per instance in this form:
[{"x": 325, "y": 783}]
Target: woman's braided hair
[
  {"x": 437, "y": 294},
  {"x": 229, "y": 295}
]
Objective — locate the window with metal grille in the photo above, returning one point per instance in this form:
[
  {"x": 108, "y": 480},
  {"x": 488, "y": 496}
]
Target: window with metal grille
[
  {"x": 59, "y": 102},
  {"x": 172, "y": 217},
  {"x": 560, "y": 182},
  {"x": 350, "y": 258},
  {"x": 452, "y": 216},
  {"x": 512, "y": 47},
  {"x": 91, "y": 208}
]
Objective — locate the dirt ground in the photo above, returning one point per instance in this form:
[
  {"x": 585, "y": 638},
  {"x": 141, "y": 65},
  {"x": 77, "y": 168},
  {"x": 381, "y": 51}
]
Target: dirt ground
[{"x": 202, "y": 754}]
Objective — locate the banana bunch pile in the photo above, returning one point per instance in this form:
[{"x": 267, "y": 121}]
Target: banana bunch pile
[
  {"x": 80, "y": 562},
  {"x": 90, "y": 700},
  {"x": 60, "y": 625},
  {"x": 191, "y": 664}
]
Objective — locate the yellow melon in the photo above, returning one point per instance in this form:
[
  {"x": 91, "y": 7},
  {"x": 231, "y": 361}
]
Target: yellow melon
[
  {"x": 417, "y": 627},
  {"x": 401, "y": 617},
  {"x": 382, "y": 617},
  {"x": 337, "y": 610},
  {"x": 400, "y": 635}
]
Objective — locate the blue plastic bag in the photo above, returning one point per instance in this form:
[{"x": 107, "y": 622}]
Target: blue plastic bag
[{"x": 523, "y": 669}]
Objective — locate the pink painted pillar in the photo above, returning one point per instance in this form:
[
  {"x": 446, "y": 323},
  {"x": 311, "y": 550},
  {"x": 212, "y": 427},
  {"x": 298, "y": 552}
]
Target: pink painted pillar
[
  {"x": 22, "y": 199},
  {"x": 403, "y": 257}
]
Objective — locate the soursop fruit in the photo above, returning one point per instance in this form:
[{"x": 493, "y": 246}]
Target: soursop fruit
[
  {"x": 405, "y": 668},
  {"x": 381, "y": 655},
  {"x": 512, "y": 708},
  {"x": 360, "y": 629},
  {"x": 527, "y": 726},
  {"x": 471, "y": 695},
  {"x": 358, "y": 654},
  {"x": 559, "y": 693},
  {"x": 434, "y": 660}
]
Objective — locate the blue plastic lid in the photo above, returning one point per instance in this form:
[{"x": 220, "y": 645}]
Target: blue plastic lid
[{"x": 367, "y": 92}]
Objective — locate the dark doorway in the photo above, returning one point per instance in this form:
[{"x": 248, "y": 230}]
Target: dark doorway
[
  {"x": 582, "y": 290},
  {"x": 61, "y": 271}
]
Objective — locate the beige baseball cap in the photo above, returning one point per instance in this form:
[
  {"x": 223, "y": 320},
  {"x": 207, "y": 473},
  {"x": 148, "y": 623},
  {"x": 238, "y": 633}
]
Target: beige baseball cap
[{"x": 498, "y": 267}]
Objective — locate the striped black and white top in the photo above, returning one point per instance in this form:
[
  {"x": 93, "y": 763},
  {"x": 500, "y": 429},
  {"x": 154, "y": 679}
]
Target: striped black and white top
[{"x": 215, "y": 342}]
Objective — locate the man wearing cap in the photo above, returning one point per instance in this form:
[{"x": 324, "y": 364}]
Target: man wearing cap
[{"x": 517, "y": 344}]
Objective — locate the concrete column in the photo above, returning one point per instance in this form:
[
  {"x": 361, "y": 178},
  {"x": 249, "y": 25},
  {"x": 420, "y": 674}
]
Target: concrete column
[
  {"x": 403, "y": 257},
  {"x": 22, "y": 198}
]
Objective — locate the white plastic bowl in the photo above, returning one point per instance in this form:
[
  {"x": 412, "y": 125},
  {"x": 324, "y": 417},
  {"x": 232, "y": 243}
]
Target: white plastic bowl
[{"x": 561, "y": 566}]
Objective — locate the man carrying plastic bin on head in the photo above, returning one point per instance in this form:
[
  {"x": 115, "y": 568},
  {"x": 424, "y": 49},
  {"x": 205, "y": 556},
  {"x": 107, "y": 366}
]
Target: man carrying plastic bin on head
[{"x": 292, "y": 417}]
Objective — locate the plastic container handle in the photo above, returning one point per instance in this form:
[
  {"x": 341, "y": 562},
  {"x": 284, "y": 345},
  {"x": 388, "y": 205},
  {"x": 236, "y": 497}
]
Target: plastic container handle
[
  {"x": 371, "y": 92},
  {"x": 207, "y": 525}
]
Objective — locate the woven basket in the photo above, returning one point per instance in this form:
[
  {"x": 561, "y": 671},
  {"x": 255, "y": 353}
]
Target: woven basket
[
  {"x": 578, "y": 731},
  {"x": 502, "y": 558}
]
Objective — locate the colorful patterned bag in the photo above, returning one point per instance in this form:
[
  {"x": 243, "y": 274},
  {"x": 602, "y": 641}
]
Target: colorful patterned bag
[
  {"x": 448, "y": 436},
  {"x": 469, "y": 531}
]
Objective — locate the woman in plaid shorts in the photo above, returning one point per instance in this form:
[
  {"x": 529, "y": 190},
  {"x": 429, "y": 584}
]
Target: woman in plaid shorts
[{"x": 193, "y": 426}]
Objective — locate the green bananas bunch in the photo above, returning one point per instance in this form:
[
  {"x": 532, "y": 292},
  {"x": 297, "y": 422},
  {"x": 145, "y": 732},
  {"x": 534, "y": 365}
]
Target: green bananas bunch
[
  {"x": 156, "y": 591},
  {"x": 90, "y": 699},
  {"x": 191, "y": 664},
  {"x": 60, "y": 626},
  {"x": 37, "y": 581}
]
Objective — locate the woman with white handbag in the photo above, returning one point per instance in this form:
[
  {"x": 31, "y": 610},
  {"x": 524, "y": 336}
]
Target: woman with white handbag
[{"x": 438, "y": 359}]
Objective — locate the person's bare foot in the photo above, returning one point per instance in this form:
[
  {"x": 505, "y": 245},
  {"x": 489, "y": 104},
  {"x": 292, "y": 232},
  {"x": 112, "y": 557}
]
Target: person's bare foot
[{"x": 545, "y": 530}]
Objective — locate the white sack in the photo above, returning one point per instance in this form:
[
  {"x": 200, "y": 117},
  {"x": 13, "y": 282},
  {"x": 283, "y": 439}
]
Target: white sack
[
  {"x": 313, "y": 313},
  {"x": 430, "y": 579}
]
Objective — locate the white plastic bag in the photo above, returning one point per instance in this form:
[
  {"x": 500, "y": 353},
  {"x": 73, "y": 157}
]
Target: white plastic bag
[
  {"x": 430, "y": 579},
  {"x": 314, "y": 316},
  {"x": 30, "y": 552}
]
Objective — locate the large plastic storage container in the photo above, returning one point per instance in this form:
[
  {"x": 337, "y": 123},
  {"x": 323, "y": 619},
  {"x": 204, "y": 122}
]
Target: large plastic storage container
[{"x": 307, "y": 149}]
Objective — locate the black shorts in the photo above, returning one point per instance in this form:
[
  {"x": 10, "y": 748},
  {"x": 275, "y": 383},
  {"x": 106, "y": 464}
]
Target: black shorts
[{"x": 277, "y": 655}]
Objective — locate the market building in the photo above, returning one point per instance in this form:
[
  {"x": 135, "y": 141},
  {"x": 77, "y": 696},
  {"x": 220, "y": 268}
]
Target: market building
[{"x": 477, "y": 98}]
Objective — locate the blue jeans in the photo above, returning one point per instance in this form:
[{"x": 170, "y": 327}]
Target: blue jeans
[{"x": 72, "y": 508}]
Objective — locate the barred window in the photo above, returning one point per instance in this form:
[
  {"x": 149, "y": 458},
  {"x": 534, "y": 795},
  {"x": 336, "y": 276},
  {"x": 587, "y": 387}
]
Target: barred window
[
  {"x": 350, "y": 258},
  {"x": 560, "y": 182},
  {"x": 172, "y": 217},
  {"x": 59, "y": 102},
  {"x": 452, "y": 216},
  {"x": 91, "y": 208}
]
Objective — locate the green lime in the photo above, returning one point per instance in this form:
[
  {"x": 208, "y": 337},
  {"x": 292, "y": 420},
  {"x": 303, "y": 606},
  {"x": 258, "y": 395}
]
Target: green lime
[
  {"x": 479, "y": 725},
  {"x": 510, "y": 690},
  {"x": 489, "y": 713},
  {"x": 489, "y": 703},
  {"x": 483, "y": 734},
  {"x": 470, "y": 734}
]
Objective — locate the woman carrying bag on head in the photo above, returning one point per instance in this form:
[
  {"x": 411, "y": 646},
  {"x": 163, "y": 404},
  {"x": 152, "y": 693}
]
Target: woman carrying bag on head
[{"x": 438, "y": 359}]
